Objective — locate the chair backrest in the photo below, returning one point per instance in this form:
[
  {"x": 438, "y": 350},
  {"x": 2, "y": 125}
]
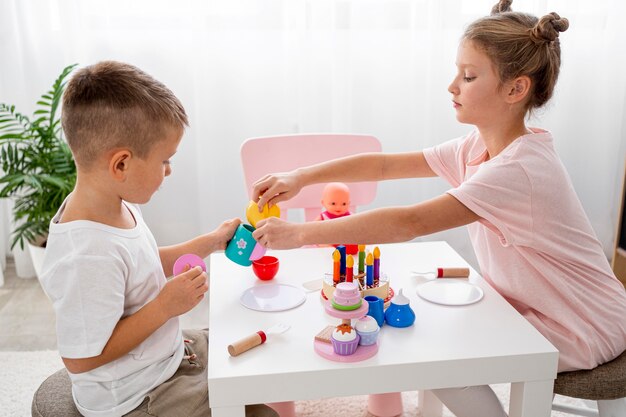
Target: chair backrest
[{"x": 265, "y": 155}]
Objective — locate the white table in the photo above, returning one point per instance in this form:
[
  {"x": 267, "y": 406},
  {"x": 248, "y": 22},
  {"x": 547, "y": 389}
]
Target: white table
[{"x": 448, "y": 346}]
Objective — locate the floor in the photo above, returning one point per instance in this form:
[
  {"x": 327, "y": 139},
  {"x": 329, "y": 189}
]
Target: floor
[
  {"x": 27, "y": 320},
  {"x": 26, "y": 316}
]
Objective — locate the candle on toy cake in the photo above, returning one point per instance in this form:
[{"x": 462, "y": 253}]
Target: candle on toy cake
[
  {"x": 336, "y": 267},
  {"x": 369, "y": 282},
  {"x": 350, "y": 269},
  {"x": 376, "y": 264},
  {"x": 369, "y": 275},
  {"x": 361, "y": 259}
]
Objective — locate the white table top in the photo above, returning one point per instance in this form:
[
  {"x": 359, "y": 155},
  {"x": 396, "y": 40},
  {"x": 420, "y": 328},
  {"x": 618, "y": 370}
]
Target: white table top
[{"x": 483, "y": 343}]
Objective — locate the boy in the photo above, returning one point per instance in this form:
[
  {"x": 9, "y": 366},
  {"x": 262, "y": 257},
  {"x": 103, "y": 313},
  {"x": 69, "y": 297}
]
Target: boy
[{"x": 117, "y": 315}]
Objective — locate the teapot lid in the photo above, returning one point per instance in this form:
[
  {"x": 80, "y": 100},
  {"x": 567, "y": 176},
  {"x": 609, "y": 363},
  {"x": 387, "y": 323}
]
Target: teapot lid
[{"x": 400, "y": 299}]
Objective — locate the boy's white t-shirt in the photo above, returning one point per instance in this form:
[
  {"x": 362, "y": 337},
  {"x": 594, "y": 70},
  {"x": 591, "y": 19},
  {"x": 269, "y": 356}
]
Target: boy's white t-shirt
[
  {"x": 96, "y": 275},
  {"x": 535, "y": 244}
]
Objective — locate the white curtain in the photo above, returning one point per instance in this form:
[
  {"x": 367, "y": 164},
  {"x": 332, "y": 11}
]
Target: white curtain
[{"x": 246, "y": 68}]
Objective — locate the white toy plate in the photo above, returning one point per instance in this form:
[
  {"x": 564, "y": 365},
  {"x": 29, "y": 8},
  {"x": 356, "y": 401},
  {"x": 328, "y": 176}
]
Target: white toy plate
[
  {"x": 450, "y": 292},
  {"x": 272, "y": 297}
]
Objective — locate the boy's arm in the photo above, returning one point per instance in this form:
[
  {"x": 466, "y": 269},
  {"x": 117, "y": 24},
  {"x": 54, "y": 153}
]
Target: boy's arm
[
  {"x": 384, "y": 225},
  {"x": 178, "y": 296},
  {"x": 374, "y": 166},
  {"x": 202, "y": 245}
]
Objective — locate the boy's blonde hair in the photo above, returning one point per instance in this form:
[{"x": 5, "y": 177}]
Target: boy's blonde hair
[
  {"x": 520, "y": 44},
  {"x": 112, "y": 104}
]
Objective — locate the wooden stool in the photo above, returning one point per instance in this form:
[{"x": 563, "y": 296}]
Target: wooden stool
[{"x": 605, "y": 384}]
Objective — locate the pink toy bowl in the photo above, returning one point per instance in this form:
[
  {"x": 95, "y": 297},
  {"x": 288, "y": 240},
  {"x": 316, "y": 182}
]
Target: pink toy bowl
[{"x": 265, "y": 268}]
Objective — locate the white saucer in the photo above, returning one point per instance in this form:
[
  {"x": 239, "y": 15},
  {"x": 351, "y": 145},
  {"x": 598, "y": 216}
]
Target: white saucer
[
  {"x": 272, "y": 297},
  {"x": 450, "y": 292}
]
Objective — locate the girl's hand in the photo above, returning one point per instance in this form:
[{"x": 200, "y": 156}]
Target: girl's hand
[
  {"x": 224, "y": 233},
  {"x": 274, "y": 233},
  {"x": 183, "y": 292},
  {"x": 274, "y": 188}
]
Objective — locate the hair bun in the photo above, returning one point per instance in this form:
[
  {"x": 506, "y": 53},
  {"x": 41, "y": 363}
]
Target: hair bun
[
  {"x": 501, "y": 7},
  {"x": 548, "y": 28}
]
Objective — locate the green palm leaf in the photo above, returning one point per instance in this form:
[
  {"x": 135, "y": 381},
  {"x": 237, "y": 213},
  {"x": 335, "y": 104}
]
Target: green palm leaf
[{"x": 38, "y": 169}]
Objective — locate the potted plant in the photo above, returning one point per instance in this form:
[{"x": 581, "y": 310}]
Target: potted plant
[{"x": 38, "y": 169}]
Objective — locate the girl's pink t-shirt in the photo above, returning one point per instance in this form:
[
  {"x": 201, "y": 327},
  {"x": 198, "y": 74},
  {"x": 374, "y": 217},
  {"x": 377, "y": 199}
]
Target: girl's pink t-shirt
[{"x": 535, "y": 244}]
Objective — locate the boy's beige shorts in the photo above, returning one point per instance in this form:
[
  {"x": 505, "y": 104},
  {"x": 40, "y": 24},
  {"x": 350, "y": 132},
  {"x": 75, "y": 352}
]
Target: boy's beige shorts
[{"x": 185, "y": 394}]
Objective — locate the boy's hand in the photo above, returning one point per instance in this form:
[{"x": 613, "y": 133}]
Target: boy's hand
[
  {"x": 274, "y": 233},
  {"x": 224, "y": 233},
  {"x": 183, "y": 292}
]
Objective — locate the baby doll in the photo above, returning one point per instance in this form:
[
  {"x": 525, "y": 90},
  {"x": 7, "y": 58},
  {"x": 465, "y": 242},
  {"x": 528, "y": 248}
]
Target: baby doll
[{"x": 336, "y": 201}]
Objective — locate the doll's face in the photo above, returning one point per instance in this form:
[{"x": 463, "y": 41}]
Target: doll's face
[{"x": 336, "y": 200}]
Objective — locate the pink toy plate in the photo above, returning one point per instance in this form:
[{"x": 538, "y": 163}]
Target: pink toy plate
[
  {"x": 349, "y": 314},
  {"x": 188, "y": 259},
  {"x": 326, "y": 350}
]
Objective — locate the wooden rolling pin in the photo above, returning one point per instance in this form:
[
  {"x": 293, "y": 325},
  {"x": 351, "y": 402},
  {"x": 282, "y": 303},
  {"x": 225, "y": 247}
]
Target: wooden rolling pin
[
  {"x": 447, "y": 273},
  {"x": 247, "y": 343},
  {"x": 255, "y": 339}
]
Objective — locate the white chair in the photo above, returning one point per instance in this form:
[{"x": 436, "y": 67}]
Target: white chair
[{"x": 605, "y": 384}]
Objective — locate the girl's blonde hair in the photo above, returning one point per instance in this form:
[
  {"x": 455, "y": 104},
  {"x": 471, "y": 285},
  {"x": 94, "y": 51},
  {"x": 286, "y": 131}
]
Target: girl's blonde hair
[{"x": 520, "y": 44}]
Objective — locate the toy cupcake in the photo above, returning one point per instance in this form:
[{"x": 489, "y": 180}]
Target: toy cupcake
[
  {"x": 367, "y": 328},
  {"x": 345, "y": 340},
  {"x": 347, "y": 296}
]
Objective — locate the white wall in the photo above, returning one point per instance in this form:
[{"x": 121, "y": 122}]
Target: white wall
[{"x": 246, "y": 68}]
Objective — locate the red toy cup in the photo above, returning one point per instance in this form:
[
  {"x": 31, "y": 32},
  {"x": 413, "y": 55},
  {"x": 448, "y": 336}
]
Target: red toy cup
[{"x": 265, "y": 268}]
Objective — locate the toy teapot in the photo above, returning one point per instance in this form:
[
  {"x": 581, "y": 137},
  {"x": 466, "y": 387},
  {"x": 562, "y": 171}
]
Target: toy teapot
[{"x": 399, "y": 313}]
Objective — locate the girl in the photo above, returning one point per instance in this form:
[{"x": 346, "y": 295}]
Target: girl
[{"x": 533, "y": 241}]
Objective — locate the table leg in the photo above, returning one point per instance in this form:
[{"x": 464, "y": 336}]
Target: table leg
[
  {"x": 235, "y": 411},
  {"x": 284, "y": 409},
  {"x": 385, "y": 405},
  {"x": 429, "y": 404},
  {"x": 531, "y": 399}
]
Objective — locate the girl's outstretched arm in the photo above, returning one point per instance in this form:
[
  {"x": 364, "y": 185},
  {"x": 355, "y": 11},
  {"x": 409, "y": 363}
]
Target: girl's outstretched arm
[
  {"x": 384, "y": 225},
  {"x": 375, "y": 166}
]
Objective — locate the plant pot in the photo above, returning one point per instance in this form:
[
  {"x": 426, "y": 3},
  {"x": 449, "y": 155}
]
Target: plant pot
[
  {"x": 37, "y": 253},
  {"x": 23, "y": 263}
]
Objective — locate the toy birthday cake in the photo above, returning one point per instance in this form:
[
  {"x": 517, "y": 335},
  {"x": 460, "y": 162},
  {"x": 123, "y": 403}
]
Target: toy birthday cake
[{"x": 368, "y": 277}]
